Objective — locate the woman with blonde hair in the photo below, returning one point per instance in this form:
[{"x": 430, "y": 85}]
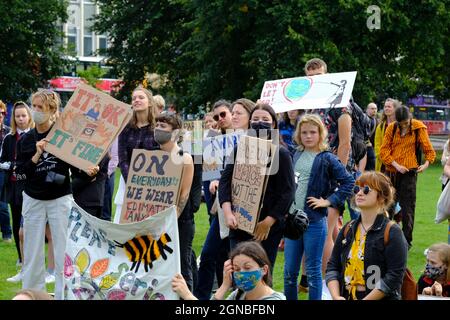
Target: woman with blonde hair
[
  {"x": 46, "y": 196},
  {"x": 21, "y": 123},
  {"x": 313, "y": 196},
  {"x": 435, "y": 279},
  {"x": 138, "y": 134},
  {"x": 387, "y": 117},
  {"x": 363, "y": 265}
]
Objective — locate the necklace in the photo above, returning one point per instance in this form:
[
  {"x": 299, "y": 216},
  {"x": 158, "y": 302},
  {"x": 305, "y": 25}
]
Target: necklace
[{"x": 364, "y": 228}]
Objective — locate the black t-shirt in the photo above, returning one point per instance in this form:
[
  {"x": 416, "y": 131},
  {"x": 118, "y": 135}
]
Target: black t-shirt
[{"x": 49, "y": 179}]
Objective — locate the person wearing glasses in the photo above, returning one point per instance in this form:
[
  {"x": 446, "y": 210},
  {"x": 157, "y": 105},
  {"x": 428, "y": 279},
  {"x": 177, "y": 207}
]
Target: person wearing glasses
[
  {"x": 363, "y": 266},
  {"x": 214, "y": 248},
  {"x": 5, "y": 222},
  {"x": 234, "y": 116}
]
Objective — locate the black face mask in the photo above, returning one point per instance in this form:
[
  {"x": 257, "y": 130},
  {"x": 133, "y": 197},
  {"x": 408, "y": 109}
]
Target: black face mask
[{"x": 262, "y": 129}]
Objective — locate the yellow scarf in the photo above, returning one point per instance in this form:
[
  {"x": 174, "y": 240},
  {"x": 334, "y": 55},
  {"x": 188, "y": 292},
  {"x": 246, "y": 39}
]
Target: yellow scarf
[{"x": 354, "y": 269}]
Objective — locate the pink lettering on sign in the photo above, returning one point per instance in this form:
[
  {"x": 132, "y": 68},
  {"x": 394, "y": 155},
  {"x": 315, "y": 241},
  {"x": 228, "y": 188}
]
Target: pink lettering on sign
[{"x": 83, "y": 94}]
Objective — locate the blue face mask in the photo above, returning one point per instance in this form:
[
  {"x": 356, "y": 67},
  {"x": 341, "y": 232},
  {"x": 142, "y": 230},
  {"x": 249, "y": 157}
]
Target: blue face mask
[{"x": 247, "y": 280}]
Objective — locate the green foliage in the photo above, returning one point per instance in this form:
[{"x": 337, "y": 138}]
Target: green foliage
[
  {"x": 28, "y": 54},
  {"x": 92, "y": 75},
  {"x": 228, "y": 48}
]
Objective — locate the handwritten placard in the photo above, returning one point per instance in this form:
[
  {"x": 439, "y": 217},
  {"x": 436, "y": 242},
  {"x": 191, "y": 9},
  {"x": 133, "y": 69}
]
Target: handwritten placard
[
  {"x": 250, "y": 176},
  {"x": 322, "y": 91},
  {"x": 215, "y": 152},
  {"x": 193, "y": 137},
  {"x": 153, "y": 184},
  {"x": 90, "y": 122}
]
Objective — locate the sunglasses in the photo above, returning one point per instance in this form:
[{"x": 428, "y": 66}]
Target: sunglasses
[
  {"x": 222, "y": 115},
  {"x": 365, "y": 189}
]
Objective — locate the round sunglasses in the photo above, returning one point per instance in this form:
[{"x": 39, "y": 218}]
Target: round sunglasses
[
  {"x": 222, "y": 115},
  {"x": 365, "y": 189}
]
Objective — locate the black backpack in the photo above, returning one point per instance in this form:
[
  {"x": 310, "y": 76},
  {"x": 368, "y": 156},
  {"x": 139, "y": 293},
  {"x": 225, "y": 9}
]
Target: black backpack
[{"x": 360, "y": 131}]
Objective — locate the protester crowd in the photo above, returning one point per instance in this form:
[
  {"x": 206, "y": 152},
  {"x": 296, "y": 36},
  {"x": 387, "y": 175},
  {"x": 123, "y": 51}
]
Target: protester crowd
[{"x": 329, "y": 159}]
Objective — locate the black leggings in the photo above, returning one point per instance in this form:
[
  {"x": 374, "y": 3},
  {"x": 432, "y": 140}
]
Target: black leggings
[{"x": 16, "y": 213}]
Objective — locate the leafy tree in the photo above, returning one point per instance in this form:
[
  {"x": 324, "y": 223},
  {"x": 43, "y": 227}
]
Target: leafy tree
[
  {"x": 92, "y": 75},
  {"x": 228, "y": 48},
  {"x": 145, "y": 36},
  {"x": 28, "y": 54}
]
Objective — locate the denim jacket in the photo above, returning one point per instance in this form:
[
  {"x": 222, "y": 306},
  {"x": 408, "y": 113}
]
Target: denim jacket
[
  {"x": 384, "y": 266},
  {"x": 326, "y": 168}
]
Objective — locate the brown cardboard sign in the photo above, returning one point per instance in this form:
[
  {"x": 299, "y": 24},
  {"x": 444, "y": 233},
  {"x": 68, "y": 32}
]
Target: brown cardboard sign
[
  {"x": 153, "y": 184},
  {"x": 249, "y": 181},
  {"x": 84, "y": 131}
]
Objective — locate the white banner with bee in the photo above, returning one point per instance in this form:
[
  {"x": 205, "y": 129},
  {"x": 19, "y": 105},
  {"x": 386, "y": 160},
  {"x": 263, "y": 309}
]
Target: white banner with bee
[{"x": 134, "y": 261}]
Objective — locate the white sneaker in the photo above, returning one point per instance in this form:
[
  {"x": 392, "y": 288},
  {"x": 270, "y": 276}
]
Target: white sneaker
[
  {"x": 17, "y": 278},
  {"x": 49, "y": 278}
]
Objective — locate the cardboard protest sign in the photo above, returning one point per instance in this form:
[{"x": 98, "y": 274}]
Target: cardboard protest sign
[
  {"x": 215, "y": 152},
  {"x": 153, "y": 184},
  {"x": 90, "y": 122},
  {"x": 322, "y": 91},
  {"x": 107, "y": 261},
  {"x": 193, "y": 137},
  {"x": 249, "y": 181}
]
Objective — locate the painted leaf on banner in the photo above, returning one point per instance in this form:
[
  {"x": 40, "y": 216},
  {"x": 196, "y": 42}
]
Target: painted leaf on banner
[
  {"x": 82, "y": 260},
  {"x": 99, "y": 267}
]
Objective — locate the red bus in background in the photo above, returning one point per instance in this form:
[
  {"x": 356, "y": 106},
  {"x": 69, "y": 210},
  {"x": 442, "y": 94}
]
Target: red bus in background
[
  {"x": 433, "y": 113},
  {"x": 70, "y": 83},
  {"x": 65, "y": 86}
]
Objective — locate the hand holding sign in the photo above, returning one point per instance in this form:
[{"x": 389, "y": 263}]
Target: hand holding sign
[{"x": 90, "y": 122}]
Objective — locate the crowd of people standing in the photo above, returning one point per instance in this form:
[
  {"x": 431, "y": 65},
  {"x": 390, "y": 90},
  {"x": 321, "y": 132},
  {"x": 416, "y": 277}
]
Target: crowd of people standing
[{"x": 322, "y": 168}]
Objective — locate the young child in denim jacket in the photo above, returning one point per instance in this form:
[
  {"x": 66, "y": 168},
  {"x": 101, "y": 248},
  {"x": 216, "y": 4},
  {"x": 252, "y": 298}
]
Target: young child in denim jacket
[{"x": 313, "y": 196}]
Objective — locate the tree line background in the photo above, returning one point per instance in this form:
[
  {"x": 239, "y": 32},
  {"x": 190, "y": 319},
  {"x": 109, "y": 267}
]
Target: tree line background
[{"x": 206, "y": 50}]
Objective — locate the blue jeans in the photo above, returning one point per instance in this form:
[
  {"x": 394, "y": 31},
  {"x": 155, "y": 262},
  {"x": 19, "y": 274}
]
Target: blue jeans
[
  {"x": 214, "y": 254},
  {"x": 311, "y": 243},
  {"x": 107, "y": 202},
  {"x": 370, "y": 165}
]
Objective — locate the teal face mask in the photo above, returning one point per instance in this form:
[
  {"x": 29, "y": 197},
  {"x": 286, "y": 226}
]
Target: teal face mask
[{"x": 247, "y": 280}]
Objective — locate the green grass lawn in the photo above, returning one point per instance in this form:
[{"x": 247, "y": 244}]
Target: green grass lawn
[{"x": 426, "y": 232}]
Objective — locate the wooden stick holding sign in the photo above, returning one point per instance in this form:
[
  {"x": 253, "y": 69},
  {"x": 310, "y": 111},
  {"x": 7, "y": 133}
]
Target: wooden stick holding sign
[
  {"x": 85, "y": 130},
  {"x": 249, "y": 181},
  {"x": 153, "y": 185}
]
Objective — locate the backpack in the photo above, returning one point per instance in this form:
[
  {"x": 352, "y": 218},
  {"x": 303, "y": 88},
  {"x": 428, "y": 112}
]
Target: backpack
[
  {"x": 418, "y": 148},
  {"x": 361, "y": 125},
  {"x": 409, "y": 289}
]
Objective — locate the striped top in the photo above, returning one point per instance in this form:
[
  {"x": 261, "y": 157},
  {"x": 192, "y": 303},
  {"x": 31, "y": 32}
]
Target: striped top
[{"x": 403, "y": 149}]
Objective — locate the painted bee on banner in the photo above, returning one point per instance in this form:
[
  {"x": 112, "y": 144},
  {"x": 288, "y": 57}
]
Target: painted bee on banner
[{"x": 145, "y": 249}]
